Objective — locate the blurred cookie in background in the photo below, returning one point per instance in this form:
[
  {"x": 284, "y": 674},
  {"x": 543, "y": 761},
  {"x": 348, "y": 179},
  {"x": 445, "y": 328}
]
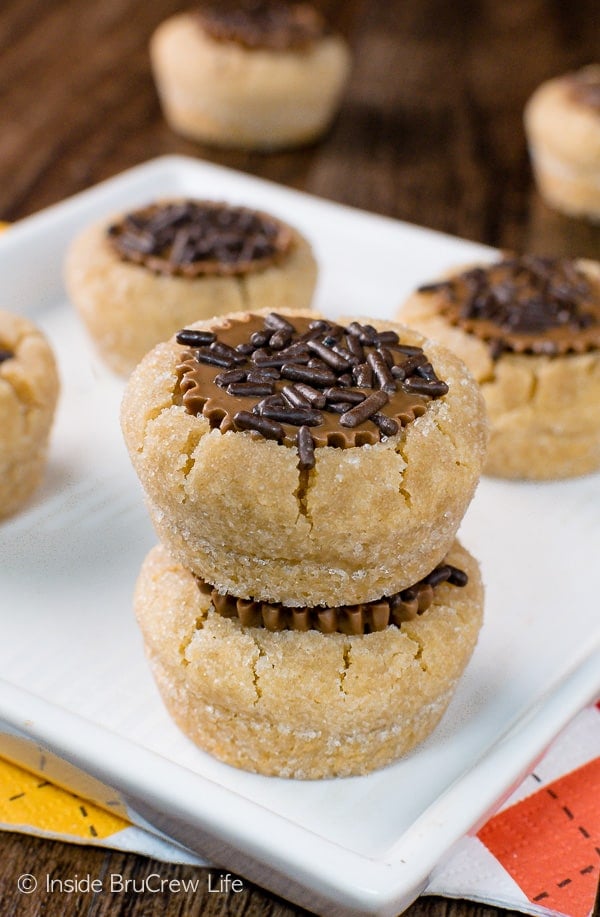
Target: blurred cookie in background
[
  {"x": 562, "y": 123},
  {"x": 255, "y": 74}
]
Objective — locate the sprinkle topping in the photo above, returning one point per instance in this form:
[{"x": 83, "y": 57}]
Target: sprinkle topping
[
  {"x": 527, "y": 304},
  {"x": 194, "y": 238},
  {"x": 346, "y": 619},
  {"x": 266, "y": 24},
  {"x": 305, "y": 382}
]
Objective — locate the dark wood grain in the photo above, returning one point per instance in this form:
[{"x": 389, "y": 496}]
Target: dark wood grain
[
  {"x": 60, "y": 861},
  {"x": 430, "y": 132}
]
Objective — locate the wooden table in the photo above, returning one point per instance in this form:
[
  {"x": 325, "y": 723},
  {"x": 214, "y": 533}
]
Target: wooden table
[{"x": 429, "y": 132}]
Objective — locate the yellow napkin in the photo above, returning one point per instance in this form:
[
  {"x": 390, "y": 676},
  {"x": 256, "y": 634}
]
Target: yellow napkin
[{"x": 32, "y": 804}]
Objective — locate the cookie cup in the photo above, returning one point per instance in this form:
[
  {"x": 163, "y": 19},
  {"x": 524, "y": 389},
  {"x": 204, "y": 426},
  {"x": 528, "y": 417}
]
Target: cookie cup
[
  {"x": 222, "y": 93},
  {"x": 29, "y": 387},
  {"x": 564, "y": 144},
  {"x": 303, "y": 704},
  {"x": 366, "y": 521},
  {"x": 128, "y": 308},
  {"x": 544, "y": 412}
]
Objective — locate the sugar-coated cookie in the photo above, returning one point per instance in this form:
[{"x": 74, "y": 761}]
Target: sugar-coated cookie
[
  {"x": 29, "y": 387},
  {"x": 302, "y": 703},
  {"x": 529, "y": 330},
  {"x": 290, "y": 459},
  {"x": 259, "y": 74},
  {"x": 138, "y": 277},
  {"x": 562, "y": 122}
]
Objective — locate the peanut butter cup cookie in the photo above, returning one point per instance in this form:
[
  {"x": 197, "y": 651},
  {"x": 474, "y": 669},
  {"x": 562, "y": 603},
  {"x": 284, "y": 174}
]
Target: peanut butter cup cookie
[
  {"x": 529, "y": 330},
  {"x": 258, "y": 74},
  {"x": 562, "y": 122},
  {"x": 291, "y": 459},
  {"x": 29, "y": 388},
  {"x": 308, "y": 693},
  {"x": 137, "y": 278}
]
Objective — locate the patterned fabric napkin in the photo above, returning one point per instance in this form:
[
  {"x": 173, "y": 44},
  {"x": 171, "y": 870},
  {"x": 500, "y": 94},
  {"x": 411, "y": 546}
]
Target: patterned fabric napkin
[{"x": 539, "y": 854}]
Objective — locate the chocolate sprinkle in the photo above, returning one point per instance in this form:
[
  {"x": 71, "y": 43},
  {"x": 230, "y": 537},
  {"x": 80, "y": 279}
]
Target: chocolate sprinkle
[
  {"x": 195, "y": 238},
  {"x": 306, "y": 449},
  {"x": 365, "y": 618},
  {"x": 331, "y": 406},
  {"x": 387, "y": 425},
  {"x": 230, "y": 377},
  {"x": 248, "y": 389},
  {"x": 314, "y": 397},
  {"x": 527, "y": 304},
  {"x": 424, "y": 387},
  {"x": 314, "y": 375},
  {"x": 363, "y": 411},
  {"x": 192, "y": 338},
  {"x": 381, "y": 371},
  {"x": 297, "y": 417},
  {"x": 244, "y": 420}
]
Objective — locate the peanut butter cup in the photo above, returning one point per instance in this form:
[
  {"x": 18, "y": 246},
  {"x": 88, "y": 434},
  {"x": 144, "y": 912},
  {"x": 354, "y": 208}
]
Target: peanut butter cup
[
  {"x": 342, "y": 386},
  {"x": 366, "y": 618},
  {"x": 194, "y": 238},
  {"x": 527, "y": 304}
]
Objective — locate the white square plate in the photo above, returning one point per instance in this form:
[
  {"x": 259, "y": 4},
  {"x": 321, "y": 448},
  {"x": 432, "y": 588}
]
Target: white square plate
[{"x": 76, "y": 685}]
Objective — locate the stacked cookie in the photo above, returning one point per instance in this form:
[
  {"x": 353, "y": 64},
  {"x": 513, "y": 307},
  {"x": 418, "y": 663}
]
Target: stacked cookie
[{"x": 309, "y": 611}]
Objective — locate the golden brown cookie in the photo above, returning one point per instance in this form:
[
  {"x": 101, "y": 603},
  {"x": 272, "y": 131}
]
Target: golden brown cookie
[
  {"x": 29, "y": 388},
  {"x": 138, "y": 277},
  {"x": 304, "y": 704},
  {"x": 528, "y": 328},
  {"x": 259, "y": 75},
  {"x": 562, "y": 122},
  {"x": 298, "y": 500}
]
